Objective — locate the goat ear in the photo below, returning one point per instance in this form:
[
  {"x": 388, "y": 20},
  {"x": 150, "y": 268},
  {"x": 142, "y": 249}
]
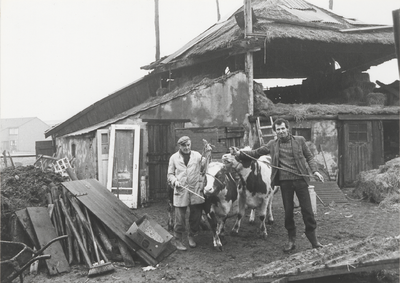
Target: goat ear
[{"x": 233, "y": 149}]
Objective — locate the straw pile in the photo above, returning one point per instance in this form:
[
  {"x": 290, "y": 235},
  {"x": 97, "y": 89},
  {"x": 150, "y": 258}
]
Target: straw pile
[
  {"x": 376, "y": 98},
  {"x": 381, "y": 185}
]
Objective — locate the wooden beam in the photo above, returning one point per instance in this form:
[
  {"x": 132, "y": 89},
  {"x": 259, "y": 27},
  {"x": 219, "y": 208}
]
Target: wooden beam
[
  {"x": 366, "y": 29},
  {"x": 368, "y": 117},
  {"x": 249, "y": 68},
  {"x": 396, "y": 25},
  {"x": 45, "y": 232}
]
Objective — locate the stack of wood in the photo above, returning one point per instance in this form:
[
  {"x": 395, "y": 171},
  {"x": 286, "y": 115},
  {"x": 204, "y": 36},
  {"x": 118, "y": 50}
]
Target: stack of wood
[
  {"x": 95, "y": 221},
  {"x": 71, "y": 218},
  {"x": 64, "y": 215}
]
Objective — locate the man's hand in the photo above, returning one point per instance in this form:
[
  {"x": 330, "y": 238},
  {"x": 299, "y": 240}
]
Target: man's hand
[
  {"x": 234, "y": 151},
  {"x": 177, "y": 184},
  {"x": 318, "y": 176},
  {"x": 207, "y": 146}
]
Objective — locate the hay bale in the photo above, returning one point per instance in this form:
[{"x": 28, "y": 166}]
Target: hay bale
[
  {"x": 260, "y": 99},
  {"x": 375, "y": 98},
  {"x": 354, "y": 95},
  {"x": 380, "y": 185}
]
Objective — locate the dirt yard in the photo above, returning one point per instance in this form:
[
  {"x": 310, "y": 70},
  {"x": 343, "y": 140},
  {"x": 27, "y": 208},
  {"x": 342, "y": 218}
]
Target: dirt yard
[{"x": 354, "y": 220}]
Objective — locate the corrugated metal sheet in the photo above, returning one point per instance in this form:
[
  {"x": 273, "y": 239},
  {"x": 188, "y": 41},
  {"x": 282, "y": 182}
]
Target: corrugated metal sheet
[
  {"x": 297, "y": 4},
  {"x": 150, "y": 103},
  {"x": 314, "y": 15},
  {"x": 355, "y": 22},
  {"x": 106, "y": 108}
]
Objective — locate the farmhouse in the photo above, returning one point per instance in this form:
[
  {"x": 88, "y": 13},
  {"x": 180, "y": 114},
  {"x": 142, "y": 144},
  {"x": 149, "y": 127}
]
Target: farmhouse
[
  {"x": 212, "y": 89},
  {"x": 20, "y": 134}
]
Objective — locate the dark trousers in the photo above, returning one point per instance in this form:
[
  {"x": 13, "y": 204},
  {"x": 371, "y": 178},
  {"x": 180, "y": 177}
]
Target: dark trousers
[
  {"x": 194, "y": 220},
  {"x": 288, "y": 187}
]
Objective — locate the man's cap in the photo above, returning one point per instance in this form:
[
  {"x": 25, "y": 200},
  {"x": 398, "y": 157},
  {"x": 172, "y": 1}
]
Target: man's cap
[{"x": 183, "y": 140}]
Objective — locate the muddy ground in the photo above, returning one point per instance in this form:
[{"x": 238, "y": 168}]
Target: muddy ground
[{"x": 354, "y": 220}]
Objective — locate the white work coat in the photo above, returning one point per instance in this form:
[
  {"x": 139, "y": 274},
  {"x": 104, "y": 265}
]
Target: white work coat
[{"x": 188, "y": 176}]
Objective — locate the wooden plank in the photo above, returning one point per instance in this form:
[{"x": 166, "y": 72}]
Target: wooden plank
[
  {"x": 354, "y": 117},
  {"x": 45, "y": 232},
  {"x": 117, "y": 216},
  {"x": 23, "y": 218}
]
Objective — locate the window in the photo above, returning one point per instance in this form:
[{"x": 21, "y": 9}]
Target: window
[
  {"x": 13, "y": 131},
  {"x": 73, "y": 150},
  {"x": 13, "y": 146},
  {"x": 104, "y": 143},
  {"x": 358, "y": 132},
  {"x": 304, "y": 132}
]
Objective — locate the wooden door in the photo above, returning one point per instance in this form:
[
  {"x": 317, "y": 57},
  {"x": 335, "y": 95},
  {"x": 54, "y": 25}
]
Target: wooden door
[
  {"x": 358, "y": 149},
  {"x": 161, "y": 139},
  {"x": 123, "y": 164},
  {"x": 103, "y": 144}
]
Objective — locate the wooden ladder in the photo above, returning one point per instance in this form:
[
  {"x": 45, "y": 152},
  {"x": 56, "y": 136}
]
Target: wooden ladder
[{"x": 261, "y": 134}]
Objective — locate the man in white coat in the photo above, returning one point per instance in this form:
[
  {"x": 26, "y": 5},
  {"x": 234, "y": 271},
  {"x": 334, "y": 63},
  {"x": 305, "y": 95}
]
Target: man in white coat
[{"x": 184, "y": 175}]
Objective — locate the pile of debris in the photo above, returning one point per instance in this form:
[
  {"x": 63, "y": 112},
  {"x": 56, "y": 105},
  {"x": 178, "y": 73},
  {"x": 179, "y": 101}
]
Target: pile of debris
[
  {"x": 381, "y": 185},
  {"x": 89, "y": 222},
  {"x": 347, "y": 257},
  {"x": 21, "y": 187}
]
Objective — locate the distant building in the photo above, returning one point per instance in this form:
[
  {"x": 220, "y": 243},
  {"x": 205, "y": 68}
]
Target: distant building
[{"x": 20, "y": 134}]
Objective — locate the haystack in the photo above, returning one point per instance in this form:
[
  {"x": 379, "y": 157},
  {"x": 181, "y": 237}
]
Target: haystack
[{"x": 381, "y": 185}]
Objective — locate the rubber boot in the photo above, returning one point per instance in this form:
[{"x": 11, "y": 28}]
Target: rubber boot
[
  {"x": 179, "y": 244},
  {"x": 312, "y": 237},
  {"x": 191, "y": 241},
  {"x": 291, "y": 244}
]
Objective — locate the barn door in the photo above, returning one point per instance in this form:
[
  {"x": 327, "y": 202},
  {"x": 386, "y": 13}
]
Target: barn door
[
  {"x": 103, "y": 142},
  {"x": 123, "y": 164},
  {"x": 358, "y": 145},
  {"x": 161, "y": 146}
]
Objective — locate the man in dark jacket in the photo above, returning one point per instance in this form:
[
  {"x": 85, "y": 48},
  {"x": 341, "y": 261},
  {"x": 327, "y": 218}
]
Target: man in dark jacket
[{"x": 290, "y": 156}]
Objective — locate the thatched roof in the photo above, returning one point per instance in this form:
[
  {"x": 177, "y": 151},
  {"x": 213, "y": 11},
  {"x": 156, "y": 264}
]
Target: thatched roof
[{"x": 295, "y": 34}]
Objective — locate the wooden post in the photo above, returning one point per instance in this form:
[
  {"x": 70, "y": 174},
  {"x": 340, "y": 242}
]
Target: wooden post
[
  {"x": 143, "y": 191},
  {"x": 11, "y": 160},
  {"x": 123, "y": 249},
  {"x": 248, "y": 23},
  {"x": 157, "y": 27},
  {"x": 5, "y": 158},
  {"x": 218, "y": 13},
  {"x": 396, "y": 28}
]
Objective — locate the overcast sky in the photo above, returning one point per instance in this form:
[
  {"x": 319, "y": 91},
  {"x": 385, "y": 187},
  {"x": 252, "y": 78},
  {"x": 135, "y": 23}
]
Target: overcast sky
[{"x": 60, "y": 56}]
